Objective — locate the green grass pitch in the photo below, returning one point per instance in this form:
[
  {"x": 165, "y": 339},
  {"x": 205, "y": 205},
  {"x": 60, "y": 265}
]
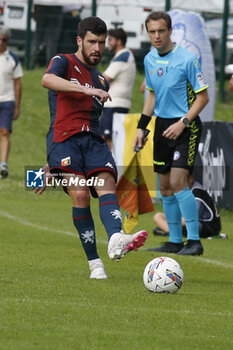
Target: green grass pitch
[{"x": 48, "y": 302}]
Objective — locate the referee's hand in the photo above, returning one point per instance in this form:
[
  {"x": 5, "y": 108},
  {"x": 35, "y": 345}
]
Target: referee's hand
[
  {"x": 139, "y": 140},
  {"x": 174, "y": 130}
]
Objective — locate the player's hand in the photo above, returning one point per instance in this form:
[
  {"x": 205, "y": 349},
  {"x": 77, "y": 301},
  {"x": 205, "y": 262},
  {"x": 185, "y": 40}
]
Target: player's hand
[
  {"x": 16, "y": 113},
  {"x": 101, "y": 94},
  {"x": 139, "y": 140},
  {"x": 47, "y": 175},
  {"x": 174, "y": 130}
]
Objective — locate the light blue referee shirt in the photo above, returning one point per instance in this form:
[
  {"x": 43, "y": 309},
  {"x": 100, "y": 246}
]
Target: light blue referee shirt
[{"x": 175, "y": 79}]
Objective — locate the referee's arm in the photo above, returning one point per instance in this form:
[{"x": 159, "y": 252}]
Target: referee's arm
[
  {"x": 144, "y": 120},
  {"x": 149, "y": 104},
  {"x": 174, "y": 130},
  {"x": 200, "y": 102}
]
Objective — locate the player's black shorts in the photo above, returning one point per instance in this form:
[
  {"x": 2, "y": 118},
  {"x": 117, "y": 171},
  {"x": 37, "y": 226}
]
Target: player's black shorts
[{"x": 179, "y": 153}]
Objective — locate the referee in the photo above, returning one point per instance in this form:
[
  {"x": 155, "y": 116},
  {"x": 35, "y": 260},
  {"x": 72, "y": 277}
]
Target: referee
[{"x": 177, "y": 94}]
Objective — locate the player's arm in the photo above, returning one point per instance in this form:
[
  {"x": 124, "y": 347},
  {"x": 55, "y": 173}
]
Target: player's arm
[
  {"x": 56, "y": 83},
  {"x": 202, "y": 98},
  {"x": 18, "y": 92},
  {"x": 200, "y": 102},
  {"x": 144, "y": 120},
  {"x": 107, "y": 77},
  {"x": 112, "y": 71}
]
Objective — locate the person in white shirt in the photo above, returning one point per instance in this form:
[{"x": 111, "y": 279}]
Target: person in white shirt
[
  {"x": 120, "y": 74},
  {"x": 10, "y": 95}
]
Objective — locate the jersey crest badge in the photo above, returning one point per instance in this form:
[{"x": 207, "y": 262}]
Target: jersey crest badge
[
  {"x": 66, "y": 161},
  {"x": 160, "y": 71},
  {"x": 102, "y": 80}
]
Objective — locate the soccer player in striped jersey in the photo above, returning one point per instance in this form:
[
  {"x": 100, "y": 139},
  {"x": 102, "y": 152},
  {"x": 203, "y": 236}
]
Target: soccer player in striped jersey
[{"x": 76, "y": 150}]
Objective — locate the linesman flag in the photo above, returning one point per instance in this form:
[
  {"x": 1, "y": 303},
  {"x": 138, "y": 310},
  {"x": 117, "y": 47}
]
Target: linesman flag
[{"x": 133, "y": 194}]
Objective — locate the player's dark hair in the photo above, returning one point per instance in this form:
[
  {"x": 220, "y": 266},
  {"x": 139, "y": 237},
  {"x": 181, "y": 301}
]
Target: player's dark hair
[
  {"x": 118, "y": 33},
  {"x": 159, "y": 15},
  {"x": 91, "y": 24}
]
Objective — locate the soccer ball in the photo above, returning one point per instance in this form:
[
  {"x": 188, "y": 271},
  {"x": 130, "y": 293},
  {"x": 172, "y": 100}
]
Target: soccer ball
[{"x": 163, "y": 275}]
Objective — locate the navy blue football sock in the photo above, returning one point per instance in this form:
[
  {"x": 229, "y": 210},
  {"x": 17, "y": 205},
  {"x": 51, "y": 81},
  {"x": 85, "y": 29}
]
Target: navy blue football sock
[
  {"x": 188, "y": 208},
  {"x": 85, "y": 226},
  {"x": 173, "y": 216},
  {"x": 110, "y": 214}
]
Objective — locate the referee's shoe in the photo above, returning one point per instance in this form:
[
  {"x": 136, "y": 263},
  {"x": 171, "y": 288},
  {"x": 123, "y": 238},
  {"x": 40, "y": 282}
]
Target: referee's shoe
[
  {"x": 192, "y": 248},
  {"x": 168, "y": 247}
]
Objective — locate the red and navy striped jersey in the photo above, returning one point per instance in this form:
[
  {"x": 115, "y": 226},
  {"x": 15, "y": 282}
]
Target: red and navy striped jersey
[{"x": 74, "y": 112}]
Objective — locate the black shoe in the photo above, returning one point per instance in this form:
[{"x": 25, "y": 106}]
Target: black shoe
[
  {"x": 168, "y": 247},
  {"x": 4, "y": 171},
  {"x": 158, "y": 232},
  {"x": 192, "y": 248}
]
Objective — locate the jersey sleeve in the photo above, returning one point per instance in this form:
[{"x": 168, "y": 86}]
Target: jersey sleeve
[
  {"x": 115, "y": 66},
  {"x": 149, "y": 85},
  {"x": 107, "y": 86},
  {"x": 113, "y": 69},
  {"x": 18, "y": 71},
  {"x": 58, "y": 66},
  {"x": 195, "y": 75}
]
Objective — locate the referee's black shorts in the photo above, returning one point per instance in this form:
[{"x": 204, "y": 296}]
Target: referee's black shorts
[{"x": 179, "y": 153}]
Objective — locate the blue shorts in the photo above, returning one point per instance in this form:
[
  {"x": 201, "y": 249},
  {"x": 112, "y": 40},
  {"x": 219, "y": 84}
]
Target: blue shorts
[
  {"x": 82, "y": 154},
  {"x": 6, "y": 114},
  {"x": 106, "y": 120}
]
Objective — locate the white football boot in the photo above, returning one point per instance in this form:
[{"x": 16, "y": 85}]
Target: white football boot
[
  {"x": 120, "y": 243},
  {"x": 97, "y": 269}
]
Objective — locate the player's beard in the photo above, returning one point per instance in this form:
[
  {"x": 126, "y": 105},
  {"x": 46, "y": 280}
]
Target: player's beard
[
  {"x": 113, "y": 48},
  {"x": 90, "y": 60}
]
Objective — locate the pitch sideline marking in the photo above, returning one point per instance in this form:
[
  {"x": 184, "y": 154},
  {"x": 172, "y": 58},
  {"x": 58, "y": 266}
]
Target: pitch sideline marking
[
  {"x": 214, "y": 262},
  {"x": 31, "y": 224},
  {"x": 38, "y": 227},
  {"x": 45, "y": 228}
]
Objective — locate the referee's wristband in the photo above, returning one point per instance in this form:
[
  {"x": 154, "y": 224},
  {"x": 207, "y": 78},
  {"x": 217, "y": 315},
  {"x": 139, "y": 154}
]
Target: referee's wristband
[{"x": 143, "y": 121}]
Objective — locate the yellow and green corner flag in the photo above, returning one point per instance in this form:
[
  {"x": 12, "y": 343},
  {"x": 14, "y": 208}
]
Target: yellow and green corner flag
[
  {"x": 133, "y": 194},
  {"x": 138, "y": 174}
]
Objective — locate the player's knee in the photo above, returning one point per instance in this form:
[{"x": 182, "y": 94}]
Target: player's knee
[
  {"x": 178, "y": 184},
  {"x": 165, "y": 190},
  {"x": 107, "y": 184},
  {"x": 4, "y": 132},
  {"x": 80, "y": 198}
]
